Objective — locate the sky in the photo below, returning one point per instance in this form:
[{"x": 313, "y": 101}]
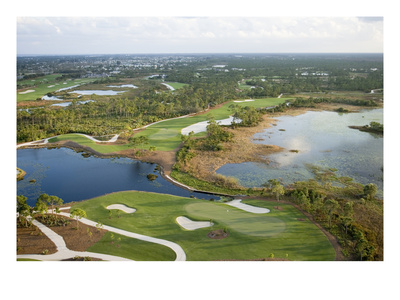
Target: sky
[{"x": 183, "y": 34}]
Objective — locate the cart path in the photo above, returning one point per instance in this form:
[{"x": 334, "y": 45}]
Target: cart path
[
  {"x": 180, "y": 254},
  {"x": 64, "y": 252}
]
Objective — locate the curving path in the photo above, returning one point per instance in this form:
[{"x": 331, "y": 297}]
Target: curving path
[
  {"x": 46, "y": 140},
  {"x": 63, "y": 252},
  {"x": 180, "y": 254}
]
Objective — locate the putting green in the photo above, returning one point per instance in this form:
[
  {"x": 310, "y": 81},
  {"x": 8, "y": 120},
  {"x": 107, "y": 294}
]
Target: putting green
[
  {"x": 163, "y": 134},
  {"x": 236, "y": 219}
]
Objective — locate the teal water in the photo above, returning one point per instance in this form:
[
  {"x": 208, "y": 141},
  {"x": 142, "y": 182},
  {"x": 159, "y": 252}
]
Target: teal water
[{"x": 322, "y": 139}]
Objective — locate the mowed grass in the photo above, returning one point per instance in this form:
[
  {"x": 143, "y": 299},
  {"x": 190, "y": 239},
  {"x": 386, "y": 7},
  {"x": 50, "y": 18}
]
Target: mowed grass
[
  {"x": 166, "y": 135},
  {"x": 176, "y": 85},
  {"x": 238, "y": 220},
  {"x": 251, "y": 236},
  {"x": 84, "y": 141}
]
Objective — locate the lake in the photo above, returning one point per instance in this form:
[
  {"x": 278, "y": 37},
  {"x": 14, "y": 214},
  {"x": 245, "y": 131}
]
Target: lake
[
  {"x": 97, "y": 92},
  {"x": 67, "y": 174},
  {"x": 321, "y": 139}
]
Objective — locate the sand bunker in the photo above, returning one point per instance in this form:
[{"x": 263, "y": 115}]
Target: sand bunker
[
  {"x": 202, "y": 126},
  {"x": 239, "y": 101},
  {"x": 249, "y": 208},
  {"x": 122, "y": 207},
  {"x": 26, "y": 92},
  {"x": 192, "y": 225}
]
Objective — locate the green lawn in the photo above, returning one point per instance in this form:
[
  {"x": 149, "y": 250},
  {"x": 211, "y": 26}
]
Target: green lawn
[
  {"x": 176, "y": 85},
  {"x": 84, "y": 141},
  {"x": 251, "y": 236}
]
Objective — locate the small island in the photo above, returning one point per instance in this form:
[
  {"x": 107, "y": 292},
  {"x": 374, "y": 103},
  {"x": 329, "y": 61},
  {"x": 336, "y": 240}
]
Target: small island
[{"x": 374, "y": 127}]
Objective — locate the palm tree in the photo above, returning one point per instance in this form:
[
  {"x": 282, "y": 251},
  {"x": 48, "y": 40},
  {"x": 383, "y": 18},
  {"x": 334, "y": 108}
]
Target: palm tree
[{"x": 331, "y": 206}]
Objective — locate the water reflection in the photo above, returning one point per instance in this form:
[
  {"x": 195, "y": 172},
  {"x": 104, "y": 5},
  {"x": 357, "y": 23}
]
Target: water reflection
[
  {"x": 319, "y": 138},
  {"x": 72, "y": 177}
]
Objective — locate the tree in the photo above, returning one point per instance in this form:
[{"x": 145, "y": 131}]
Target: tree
[
  {"x": 138, "y": 141},
  {"x": 347, "y": 218},
  {"x": 330, "y": 207},
  {"x": 370, "y": 190},
  {"x": 51, "y": 200},
  {"x": 23, "y": 209},
  {"x": 276, "y": 187},
  {"x": 78, "y": 213},
  {"x": 40, "y": 205}
]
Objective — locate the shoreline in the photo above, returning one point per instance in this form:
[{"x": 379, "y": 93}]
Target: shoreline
[{"x": 205, "y": 163}]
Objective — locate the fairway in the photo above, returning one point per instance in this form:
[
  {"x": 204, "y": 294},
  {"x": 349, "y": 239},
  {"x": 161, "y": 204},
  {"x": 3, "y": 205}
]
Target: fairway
[
  {"x": 46, "y": 84},
  {"x": 251, "y": 236},
  {"x": 166, "y": 135},
  {"x": 238, "y": 220},
  {"x": 84, "y": 141}
]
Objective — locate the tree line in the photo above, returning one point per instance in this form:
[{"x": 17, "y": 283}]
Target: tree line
[{"x": 113, "y": 115}]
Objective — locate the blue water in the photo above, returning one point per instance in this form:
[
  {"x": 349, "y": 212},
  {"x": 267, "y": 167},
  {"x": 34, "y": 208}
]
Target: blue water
[
  {"x": 72, "y": 177},
  {"x": 323, "y": 139}
]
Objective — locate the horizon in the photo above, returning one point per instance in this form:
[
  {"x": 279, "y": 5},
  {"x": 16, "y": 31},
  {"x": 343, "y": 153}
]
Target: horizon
[{"x": 206, "y": 53}]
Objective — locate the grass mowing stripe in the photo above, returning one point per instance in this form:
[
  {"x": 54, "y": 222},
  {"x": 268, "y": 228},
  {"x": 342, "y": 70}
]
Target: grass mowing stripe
[{"x": 156, "y": 216}]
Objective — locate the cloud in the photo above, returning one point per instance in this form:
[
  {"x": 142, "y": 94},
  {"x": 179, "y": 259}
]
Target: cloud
[{"x": 194, "y": 34}]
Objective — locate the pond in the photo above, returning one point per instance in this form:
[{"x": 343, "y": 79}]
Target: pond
[
  {"x": 317, "y": 139},
  {"x": 67, "y": 174},
  {"x": 65, "y": 104},
  {"x": 123, "y": 86},
  {"x": 97, "y": 92}
]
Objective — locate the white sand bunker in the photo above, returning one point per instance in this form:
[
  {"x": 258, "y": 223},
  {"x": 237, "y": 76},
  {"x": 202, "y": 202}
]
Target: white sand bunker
[
  {"x": 26, "y": 92},
  {"x": 239, "y": 101},
  {"x": 202, "y": 126},
  {"x": 192, "y": 225},
  {"x": 249, "y": 208},
  {"x": 122, "y": 207}
]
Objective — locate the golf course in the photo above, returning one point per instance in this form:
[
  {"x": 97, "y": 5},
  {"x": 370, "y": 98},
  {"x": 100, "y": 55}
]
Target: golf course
[
  {"x": 282, "y": 233},
  {"x": 166, "y": 135}
]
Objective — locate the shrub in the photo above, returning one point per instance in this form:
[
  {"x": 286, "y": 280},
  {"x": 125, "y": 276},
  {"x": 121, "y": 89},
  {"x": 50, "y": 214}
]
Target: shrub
[
  {"x": 225, "y": 181},
  {"x": 152, "y": 177}
]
